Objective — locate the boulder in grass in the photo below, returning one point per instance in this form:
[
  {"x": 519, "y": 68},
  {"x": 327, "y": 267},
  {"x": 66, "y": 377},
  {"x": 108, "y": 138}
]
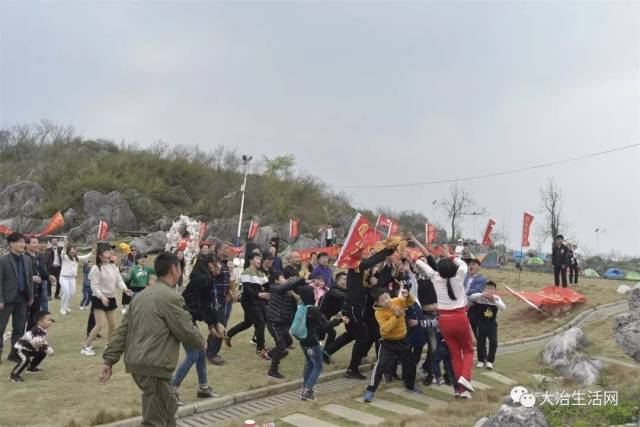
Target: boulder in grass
[{"x": 515, "y": 415}]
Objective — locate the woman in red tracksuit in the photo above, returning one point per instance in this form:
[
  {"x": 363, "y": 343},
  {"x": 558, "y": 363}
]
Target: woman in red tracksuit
[{"x": 448, "y": 282}]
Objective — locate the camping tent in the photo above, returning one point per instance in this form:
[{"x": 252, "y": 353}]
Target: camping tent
[
  {"x": 590, "y": 272},
  {"x": 632, "y": 275},
  {"x": 614, "y": 273},
  {"x": 544, "y": 257},
  {"x": 535, "y": 261},
  {"x": 517, "y": 256},
  {"x": 490, "y": 260}
]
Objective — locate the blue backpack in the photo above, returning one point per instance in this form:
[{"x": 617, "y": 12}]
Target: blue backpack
[{"x": 299, "y": 324}]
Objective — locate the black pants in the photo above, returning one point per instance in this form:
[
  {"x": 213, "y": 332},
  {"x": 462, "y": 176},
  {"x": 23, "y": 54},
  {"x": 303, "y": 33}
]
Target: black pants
[
  {"x": 359, "y": 330},
  {"x": 55, "y": 272},
  {"x": 573, "y": 273},
  {"x": 474, "y": 317},
  {"x": 392, "y": 351},
  {"x": 283, "y": 342},
  {"x": 432, "y": 345},
  {"x": 18, "y": 314},
  {"x": 28, "y": 358},
  {"x": 487, "y": 331},
  {"x": 253, "y": 316},
  {"x": 330, "y": 335},
  {"x": 557, "y": 272},
  {"x": 35, "y": 307},
  {"x": 91, "y": 322}
]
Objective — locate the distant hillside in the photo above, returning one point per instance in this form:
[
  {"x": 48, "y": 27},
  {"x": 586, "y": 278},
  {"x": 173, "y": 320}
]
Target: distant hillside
[{"x": 167, "y": 181}]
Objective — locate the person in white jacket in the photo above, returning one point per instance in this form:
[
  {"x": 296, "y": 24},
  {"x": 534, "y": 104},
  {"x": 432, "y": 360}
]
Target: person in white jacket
[
  {"x": 68, "y": 274},
  {"x": 105, "y": 278},
  {"x": 448, "y": 282}
]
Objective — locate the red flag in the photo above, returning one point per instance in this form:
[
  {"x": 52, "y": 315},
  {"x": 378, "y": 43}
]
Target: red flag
[
  {"x": 294, "y": 228},
  {"x": 202, "y": 230},
  {"x": 253, "y": 229},
  {"x": 103, "y": 231},
  {"x": 430, "y": 233},
  {"x": 361, "y": 235},
  {"x": 526, "y": 226},
  {"x": 382, "y": 220},
  {"x": 393, "y": 228},
  {"x": 486, "y": 240},
  {"x": 391, "y": 224},
  {"x": 5, "y": 230},
  {"x": 56, "y": 221}
]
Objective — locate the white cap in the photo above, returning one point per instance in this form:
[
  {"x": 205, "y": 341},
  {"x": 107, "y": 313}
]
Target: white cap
[{"x": 460, "y": 240}]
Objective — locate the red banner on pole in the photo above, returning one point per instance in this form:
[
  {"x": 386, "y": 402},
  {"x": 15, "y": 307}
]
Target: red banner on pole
[
  {"x": 253, "y": 229},
  {"x": 486, "y": 240},
  {"x": 294, "y": 228},
  {"x": 56, "y": 222},
  {"x": 526, "y": 226},
  {"x": 361, "y": 235},
  {"x": 430, "y": 233},
  {"x": 103, "y": 231},
  {"x": 393, "y": 228},
  {"x": 5, "y": 230}
]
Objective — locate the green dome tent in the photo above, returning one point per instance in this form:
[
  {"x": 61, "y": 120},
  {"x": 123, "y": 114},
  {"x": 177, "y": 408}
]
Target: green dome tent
[
  {"x": 632, "y": 275},
  {"x": 535, "y": 261},
  {"x": 490, "y": 260},
  {"x": 590, "y": 272}
]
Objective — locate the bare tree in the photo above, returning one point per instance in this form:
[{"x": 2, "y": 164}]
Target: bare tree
[
  {"x": 551, "y": 205},
  {"x": 456, "y": 205}
]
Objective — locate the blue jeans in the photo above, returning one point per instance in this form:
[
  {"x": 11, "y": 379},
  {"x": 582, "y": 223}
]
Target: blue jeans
[
  {"x": 312, "y": 366},
  {"x": 223, "y": 310},
  {"x": 86, "y": 296},
  {"x": 193, "y": 356},
  {"x": 44, "y": 297}
]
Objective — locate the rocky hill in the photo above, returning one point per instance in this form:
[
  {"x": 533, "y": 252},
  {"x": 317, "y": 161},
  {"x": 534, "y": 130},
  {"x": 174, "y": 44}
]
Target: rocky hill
[{"x": 45, "y": 168}]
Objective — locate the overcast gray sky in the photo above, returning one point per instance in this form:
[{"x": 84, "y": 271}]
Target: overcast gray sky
[{"x": 361, "y": 93}]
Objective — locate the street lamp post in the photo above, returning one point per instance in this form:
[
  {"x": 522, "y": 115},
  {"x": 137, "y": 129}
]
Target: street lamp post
[
  {"x": 598, "y": 231},
  {"x": 245, "y": 161}
]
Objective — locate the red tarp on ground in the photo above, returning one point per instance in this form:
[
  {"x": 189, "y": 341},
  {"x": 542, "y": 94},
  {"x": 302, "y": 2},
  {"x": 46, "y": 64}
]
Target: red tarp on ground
[
  {"x": 568, "y": 294},
  {"x": 552, "y": 295}
]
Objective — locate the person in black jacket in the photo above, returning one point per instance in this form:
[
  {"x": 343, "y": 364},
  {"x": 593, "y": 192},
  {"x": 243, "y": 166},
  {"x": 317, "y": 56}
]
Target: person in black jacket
[
  {"x": 279, "y": 317},
  {"x": 332, "y": 303},
  {"x": 199, "y": 299},
  {"x": 560, "y": 259},
  {"x": 357, "y": 294},
  {"x": 40, "y": 277}
]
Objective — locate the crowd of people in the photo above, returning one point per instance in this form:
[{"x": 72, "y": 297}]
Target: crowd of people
[{"x": 390, "y": 302}]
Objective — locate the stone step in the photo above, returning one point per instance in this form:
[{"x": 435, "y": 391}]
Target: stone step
[
  {"x": 617, "y": 362},
  {"x": 301, "y": 420},
  {"x": 353, "y": 415},
  {"x": 500, "y": 378},
  {"x": 421, "y": 398},
  {"x": 391, "y": 406},
  {"x": 445, "y": 389},
  {"x": 480, "y": 386}
]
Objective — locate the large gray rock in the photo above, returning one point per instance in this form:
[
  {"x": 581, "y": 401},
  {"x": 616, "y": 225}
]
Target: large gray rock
[
  {"x": 154, "y": 242},
  {"x": 71, "y": 219},
  {"x": 562, "y": 347},
  {"x": 263, "y": 236},
  {"x": 21, "y": 199},
  {"x": 304, "y": 242},
  {"x": 626, "y": 327},
  {"x": 112, "y": 207},
  {"x": 83, "y": 231},
  {"x": 517, "y": 416},
  {"x": 562, "y": 354}
]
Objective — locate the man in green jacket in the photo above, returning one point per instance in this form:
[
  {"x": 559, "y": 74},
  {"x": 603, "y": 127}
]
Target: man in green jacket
[{"x": 149, "y": 336}]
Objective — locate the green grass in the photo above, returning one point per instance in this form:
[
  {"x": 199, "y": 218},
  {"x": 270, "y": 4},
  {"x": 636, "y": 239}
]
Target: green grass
[{"x": 70, "y": 391}]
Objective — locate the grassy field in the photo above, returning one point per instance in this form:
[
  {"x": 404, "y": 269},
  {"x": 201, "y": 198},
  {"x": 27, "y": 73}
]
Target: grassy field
[{"x": 70, "y": 392}]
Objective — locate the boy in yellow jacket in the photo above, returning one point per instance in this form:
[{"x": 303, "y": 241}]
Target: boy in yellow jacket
[{"x": 393, "y": 345}]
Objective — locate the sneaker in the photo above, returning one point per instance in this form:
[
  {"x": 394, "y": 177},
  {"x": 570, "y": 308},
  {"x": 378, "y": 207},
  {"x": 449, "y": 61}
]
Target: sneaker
[
  {"x": 307, "y": 395},
  {"x": 465, "y": 395},
  {"x": 275, "y": 375},
  {"x": 311, "y": 395},
  {"x": 264, "y": 354},
  {"x": 81, "y": 307},
  {"x": 16, "y": 378},
  {"x": 62, "y": 311},
  {"x": 87, "y": 351},
  {"x": 457, "y": 395},
  {"x": 414, "y": 390},
  {"x": 35, "y": 370},
  {"x": 368, "y": 396},
  {"x": 489, "y": 366},
  {"x": 205, "y": 393},
  {"x": 216, "y": 360},
  {"x": 466, "y": 384},
  {"x": 124, "y": 310},
  {"x": 178, "y": 401},
  {"x": 428, "y": 380},
  {"x": 439, "y": 381},
  {"x": 227, "y": 341},
  {"x": 481, "y": 365},
  {"x": 355, "y": 375}
]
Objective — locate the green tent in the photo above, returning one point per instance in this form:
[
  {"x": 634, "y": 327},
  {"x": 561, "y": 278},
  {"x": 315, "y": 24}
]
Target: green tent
[
  {"x": 590, "y": 272},
  {"x": 535, "y": 261},
  {"x": 632, "y": 275}
]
